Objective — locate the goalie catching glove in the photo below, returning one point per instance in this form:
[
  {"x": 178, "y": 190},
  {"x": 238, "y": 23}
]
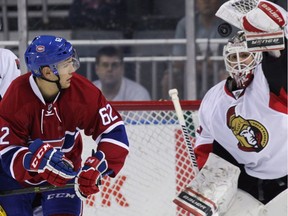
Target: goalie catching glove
[
  {"x": 49, "y": 162},
  {"x": 86, "y": 182},
  {"x": 265, "y": 17}
]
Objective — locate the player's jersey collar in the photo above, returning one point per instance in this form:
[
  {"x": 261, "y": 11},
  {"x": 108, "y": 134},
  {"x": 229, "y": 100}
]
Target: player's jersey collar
[
  {"x": 228, "y": 88},
  {"x": 36, "y": 90}
]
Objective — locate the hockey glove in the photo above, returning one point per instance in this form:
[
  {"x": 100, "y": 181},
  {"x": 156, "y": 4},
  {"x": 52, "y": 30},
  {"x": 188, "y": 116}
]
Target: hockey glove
[
  {"x": 266, "y": 17},
  {"x": 86, "y": 182},
  {"x": 49, "y": 162}
]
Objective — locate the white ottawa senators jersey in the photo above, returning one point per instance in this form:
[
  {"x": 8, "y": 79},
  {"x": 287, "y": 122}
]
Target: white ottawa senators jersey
[
  {"x": 247, "y": 126},
  {"x": 9, "y": 69}
]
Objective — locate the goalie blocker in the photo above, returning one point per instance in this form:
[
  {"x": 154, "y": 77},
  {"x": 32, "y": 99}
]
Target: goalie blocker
[{"x": 260, "y": 42}]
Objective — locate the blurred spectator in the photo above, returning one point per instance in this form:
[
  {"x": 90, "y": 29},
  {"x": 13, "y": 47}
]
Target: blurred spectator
[
  {"x": 206, "y": 25},
  {"x": 112, "y": 83},
  {"x": 97, "y": 14}
]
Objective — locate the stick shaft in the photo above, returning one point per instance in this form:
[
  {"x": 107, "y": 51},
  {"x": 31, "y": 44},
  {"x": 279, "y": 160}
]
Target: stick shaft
[
  {"x": 175, "y": 99},
  {"x": 34, "y": 190},
  {"x": 40, "y": 189}
]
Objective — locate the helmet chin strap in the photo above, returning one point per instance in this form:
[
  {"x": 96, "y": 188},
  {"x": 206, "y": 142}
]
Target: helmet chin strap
[{"x": 57, "y": 82}]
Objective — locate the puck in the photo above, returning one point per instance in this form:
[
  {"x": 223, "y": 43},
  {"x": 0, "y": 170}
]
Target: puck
[{"x": 225, "y": 29}]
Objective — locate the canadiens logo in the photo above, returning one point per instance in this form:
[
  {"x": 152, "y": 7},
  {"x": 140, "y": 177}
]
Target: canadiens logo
[
  {"x": 40, "y": 48},
  {"x": 251, "y": 134}
]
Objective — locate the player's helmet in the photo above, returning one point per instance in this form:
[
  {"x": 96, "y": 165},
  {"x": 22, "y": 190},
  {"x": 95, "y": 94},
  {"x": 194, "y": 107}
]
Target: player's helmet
[
  {"x": 239, "y": 62},
  {"x": 46, "y": 50}
]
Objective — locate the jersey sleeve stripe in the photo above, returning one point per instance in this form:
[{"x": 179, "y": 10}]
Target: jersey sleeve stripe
[
  {"x": 13, "y": 159},
  {"x": 108, "y": 130},
  {"x": 115, "y": 142}
]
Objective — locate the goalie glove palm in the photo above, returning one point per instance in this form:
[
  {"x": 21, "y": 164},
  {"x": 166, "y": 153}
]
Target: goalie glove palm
[
  {"x": 90, "y": 174},
  {"x": 266, "y": 17},
  {"x": 49, "y": 162}
]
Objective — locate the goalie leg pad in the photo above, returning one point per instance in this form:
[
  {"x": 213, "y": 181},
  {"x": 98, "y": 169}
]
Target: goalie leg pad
[
  {"x": 195, "y": 203},
  {"x": 212, "y": 190}
]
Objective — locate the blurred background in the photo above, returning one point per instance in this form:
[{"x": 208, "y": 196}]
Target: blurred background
[{"x": 166, "y": 43}]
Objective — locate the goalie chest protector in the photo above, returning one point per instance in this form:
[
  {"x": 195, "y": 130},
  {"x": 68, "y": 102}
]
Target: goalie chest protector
[{"x": 245, "y": 125}]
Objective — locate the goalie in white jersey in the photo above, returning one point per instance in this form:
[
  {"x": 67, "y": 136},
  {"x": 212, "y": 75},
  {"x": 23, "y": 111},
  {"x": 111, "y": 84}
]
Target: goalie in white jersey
[
  {"x": 9, "y": 69},
  {"x": 244, "y": 119}
]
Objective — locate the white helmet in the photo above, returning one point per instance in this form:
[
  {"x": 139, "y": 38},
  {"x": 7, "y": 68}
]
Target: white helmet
[{"x": 239, "y": 62}]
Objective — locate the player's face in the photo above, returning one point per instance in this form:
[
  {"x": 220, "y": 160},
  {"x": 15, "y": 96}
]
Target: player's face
[
  {"x": 65, "y": 70},
  {"x": 110, "y": 70},
  {"x": 240, "y": 66},
  {"x": 240, "y": 60}
]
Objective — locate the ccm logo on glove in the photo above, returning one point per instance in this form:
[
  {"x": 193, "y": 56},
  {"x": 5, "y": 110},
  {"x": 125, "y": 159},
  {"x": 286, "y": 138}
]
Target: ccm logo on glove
[
  {"x": 86, "y": 182},
  {"x": 90, "y": 161},
  {"x": 50, "y": 163},
  {"x": 39, "y": 154}
]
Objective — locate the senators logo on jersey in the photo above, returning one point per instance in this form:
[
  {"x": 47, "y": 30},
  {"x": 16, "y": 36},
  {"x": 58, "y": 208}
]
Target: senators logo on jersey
[{"x": 251, "y": 134}]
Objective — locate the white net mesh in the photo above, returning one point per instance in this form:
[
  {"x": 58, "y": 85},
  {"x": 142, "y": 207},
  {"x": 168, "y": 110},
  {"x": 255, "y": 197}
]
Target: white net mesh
[
  {"x": 232, "y": 11},
  {"x": 244, "y": 6},
  {"x": 156, "y": 170}
]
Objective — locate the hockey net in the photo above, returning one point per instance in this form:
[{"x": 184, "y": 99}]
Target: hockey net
[{"x": 158, "y": 166}]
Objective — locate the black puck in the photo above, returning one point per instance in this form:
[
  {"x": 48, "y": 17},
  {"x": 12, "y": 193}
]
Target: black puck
[{"x": 225, "y": 29}]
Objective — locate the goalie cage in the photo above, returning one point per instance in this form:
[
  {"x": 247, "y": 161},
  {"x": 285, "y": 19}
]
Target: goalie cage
[{"x": 158, "y": 166}]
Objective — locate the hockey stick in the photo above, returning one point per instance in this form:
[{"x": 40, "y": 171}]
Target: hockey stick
[
  {"x": 199, "y": 198},
  {"x": 38, "y": 189},
  {"x": 175, "y": 99}
]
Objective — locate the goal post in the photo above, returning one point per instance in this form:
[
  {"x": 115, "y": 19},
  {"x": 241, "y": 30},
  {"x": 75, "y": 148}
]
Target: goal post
[{"x": 158, "y": 166}]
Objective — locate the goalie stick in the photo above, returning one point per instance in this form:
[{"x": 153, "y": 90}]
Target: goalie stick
[
  {"x": 175, "y": 99},
  {"x": 212, "y": 190}
]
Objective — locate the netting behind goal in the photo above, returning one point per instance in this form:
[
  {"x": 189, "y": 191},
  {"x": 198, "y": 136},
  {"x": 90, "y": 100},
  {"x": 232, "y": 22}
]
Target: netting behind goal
[{"x": 158, "y": 166}]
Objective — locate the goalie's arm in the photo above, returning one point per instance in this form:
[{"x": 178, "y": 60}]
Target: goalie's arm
[
  {"x": 275, "y": 70},
  {"x": 9, "y": 70},
  {"x": 269, "y": 17},
  {"x": 204, "y": 138}
]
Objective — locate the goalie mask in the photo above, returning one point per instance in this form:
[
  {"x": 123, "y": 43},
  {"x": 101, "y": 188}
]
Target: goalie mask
[{"x": 239, "y": 62}]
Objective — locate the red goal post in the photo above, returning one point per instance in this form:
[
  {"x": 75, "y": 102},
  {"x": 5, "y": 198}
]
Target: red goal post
[{"x": 158, "y": 166}]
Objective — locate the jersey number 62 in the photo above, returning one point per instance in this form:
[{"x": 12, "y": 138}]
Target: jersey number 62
[{"x": 106, "y": 114}]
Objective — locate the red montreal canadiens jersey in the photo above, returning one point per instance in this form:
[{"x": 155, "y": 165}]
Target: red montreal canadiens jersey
[
  {"x": 251, "y": 126},
  {"x": 25, "y": 116}
]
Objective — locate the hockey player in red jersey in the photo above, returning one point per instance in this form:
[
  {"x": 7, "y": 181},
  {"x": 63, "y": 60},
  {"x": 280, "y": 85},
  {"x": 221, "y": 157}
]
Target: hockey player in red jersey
[
  {"x": 41, "y": 116},
  {"x": 244, "y": 118}
]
